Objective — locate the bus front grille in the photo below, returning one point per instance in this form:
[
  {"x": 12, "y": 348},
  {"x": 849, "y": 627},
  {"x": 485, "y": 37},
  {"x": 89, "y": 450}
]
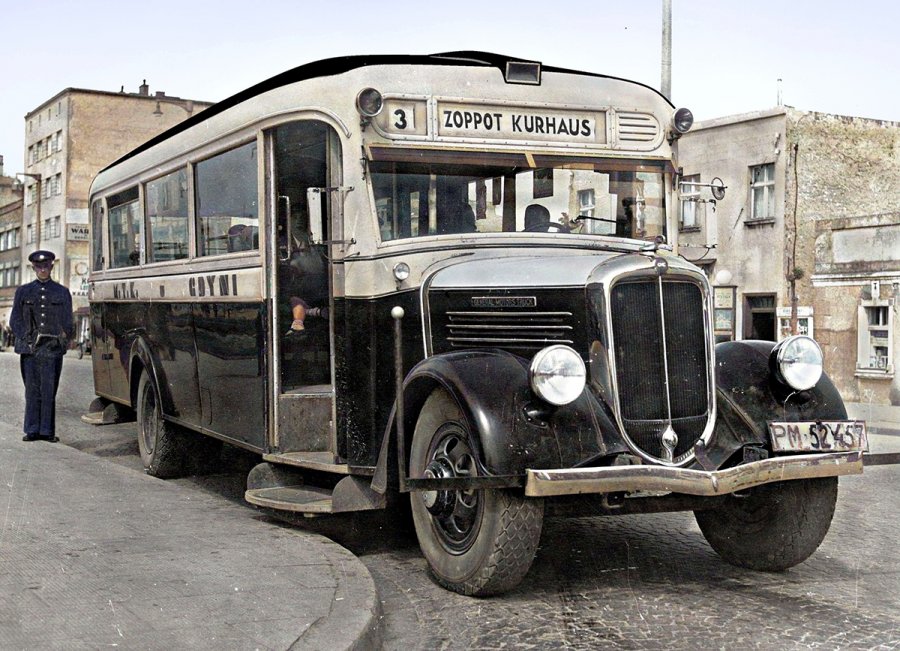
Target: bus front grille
[{"x": 659, "y": 343}]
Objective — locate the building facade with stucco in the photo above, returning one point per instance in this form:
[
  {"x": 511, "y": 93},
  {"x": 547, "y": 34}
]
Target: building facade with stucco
[
  {"x": 806, "y": 239},
  {"x": 68, "y": 139}
]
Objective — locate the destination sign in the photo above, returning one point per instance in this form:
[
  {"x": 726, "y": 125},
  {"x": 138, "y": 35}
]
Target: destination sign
[
  {"x": 403, "y": 117},
  {"x": 520, "y": 123}
]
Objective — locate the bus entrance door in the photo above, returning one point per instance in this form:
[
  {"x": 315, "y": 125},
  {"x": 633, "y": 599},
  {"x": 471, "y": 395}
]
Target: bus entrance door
[{"x": 304, "y": 390}]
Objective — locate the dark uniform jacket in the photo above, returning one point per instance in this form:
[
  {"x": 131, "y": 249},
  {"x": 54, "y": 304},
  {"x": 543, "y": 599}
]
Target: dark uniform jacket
[{"x": 42, "y": 309}]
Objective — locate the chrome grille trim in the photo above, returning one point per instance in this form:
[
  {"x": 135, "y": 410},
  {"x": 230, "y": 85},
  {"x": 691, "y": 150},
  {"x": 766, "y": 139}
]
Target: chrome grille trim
[{"x": 633, "y": 269}]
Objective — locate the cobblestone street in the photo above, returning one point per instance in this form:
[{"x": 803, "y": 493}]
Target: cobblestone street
[{"x": 626, "y": 582}]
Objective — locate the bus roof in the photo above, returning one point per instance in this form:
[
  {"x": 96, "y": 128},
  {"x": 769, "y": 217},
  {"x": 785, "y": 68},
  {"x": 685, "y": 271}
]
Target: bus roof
[{"x": 338, "y": 65}]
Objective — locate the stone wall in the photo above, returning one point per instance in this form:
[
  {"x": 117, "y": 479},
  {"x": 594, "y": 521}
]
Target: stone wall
[{"x": 848, "y": 214}]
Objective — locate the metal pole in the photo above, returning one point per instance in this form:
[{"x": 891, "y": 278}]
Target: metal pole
[
  {"x": 666, "y": 84},
  {"x": 398, "y": 313}
]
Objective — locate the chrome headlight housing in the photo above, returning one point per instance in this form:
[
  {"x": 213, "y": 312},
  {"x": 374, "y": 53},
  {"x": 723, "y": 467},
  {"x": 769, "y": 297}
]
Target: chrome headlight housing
[
  {"x": 557, "y": 374},
  {"x": 797, "y": 362}
]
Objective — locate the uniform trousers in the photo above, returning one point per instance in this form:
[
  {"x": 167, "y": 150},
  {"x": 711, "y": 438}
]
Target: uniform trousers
[{"x": 40, "y": 373}]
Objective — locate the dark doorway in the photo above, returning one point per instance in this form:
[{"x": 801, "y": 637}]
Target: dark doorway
[{"x": 759, "y": 317}]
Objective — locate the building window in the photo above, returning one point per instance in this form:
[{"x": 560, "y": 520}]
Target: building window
[
  {"x": 52, "y": 227},
  {"x": 586, "y": 202},
  {"x": 56, "y": 185},
  {"x": 875, "y": 345},
  {"x": 804, "y": 322},
  {"x": 691, "y": 206},
  {"x": 29, "y": 234},
  {"x": 762, "y": 191}
]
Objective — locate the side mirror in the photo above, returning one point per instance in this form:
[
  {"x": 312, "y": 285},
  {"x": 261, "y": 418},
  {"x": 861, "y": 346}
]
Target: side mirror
[{"x": 717, "y": 187}]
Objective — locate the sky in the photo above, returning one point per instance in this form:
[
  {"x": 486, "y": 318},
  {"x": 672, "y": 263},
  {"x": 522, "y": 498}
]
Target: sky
[{"x": 727, "y": 56}]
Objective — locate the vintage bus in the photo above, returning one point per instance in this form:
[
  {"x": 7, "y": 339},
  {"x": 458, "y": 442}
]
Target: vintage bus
[{"x": 454, "y": 277}]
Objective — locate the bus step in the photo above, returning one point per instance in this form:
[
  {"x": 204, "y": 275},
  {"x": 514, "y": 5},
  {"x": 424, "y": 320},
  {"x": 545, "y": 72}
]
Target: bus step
[
  {"x": 280, "y": 488},
  {"x": 323, "y": 461}
]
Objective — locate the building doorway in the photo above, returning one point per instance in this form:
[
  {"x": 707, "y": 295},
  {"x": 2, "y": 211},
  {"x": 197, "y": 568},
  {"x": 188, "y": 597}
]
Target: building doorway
[{"x": 759, "y": 316}]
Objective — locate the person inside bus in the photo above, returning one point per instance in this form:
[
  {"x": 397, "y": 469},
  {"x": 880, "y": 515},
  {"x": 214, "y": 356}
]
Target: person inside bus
[
  {"x": 535, "y": 215},
  {"x": 242, "y": 237},
  {"x": 304, "y": 276},
  {"x": 460, "y": 218}
]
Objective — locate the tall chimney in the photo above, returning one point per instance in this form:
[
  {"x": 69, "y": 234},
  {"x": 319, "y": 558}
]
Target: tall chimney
[
  {"x": 144, "y": 90},
  {"x": 1, "y": 164}
]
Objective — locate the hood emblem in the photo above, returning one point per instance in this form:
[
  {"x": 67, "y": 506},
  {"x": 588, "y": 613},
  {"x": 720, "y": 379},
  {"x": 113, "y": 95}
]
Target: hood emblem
[
  {"x": 504, "y": 301},
  {"x": 670, "y": 442},
  {"x": 661, "y": 266}
]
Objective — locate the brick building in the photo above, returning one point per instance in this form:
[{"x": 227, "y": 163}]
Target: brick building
[
  {"x": 10, "y": 238},
  {"x": 813, "y": 204},
  {"x": 68, "y": 139}
]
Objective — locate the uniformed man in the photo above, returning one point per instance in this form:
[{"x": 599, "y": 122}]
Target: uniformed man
[{"x": 41, "y": 320}]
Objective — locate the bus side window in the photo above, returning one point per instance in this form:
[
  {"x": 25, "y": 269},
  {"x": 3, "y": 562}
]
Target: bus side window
[
  {"x": 125, "y": 229},
  {"x": 226, "y": 196}
]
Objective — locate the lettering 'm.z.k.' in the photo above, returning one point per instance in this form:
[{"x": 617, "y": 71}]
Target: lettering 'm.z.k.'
[{"x": 213, "y": 285}]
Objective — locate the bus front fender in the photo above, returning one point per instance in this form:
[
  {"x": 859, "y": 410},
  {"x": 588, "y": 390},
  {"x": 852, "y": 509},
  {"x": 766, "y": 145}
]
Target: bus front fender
[{"x": 511, "y": 429}]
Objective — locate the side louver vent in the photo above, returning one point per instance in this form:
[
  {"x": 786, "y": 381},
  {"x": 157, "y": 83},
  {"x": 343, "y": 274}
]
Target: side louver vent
[{"x": 637, "y": 127}]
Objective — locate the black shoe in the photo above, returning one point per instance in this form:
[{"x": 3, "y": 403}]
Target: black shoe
[
  {"x": 50, "y": 439},
  {"x": 31, "y": 437}
]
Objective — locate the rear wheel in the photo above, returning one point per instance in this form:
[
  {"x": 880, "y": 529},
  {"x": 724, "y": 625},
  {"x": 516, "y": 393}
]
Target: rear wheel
[
  {"x": 773, "y": 528},
  {"x": 162, "y": 446},
  {"x": 476, "y": 542}
]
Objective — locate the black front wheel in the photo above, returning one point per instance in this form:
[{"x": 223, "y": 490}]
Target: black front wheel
[
  {"x": 161, "y": 444},
  {"x": 476, "y": 542},
  {"x": 774, "y": 527}
]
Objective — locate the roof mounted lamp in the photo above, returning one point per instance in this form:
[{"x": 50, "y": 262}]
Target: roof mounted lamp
[
  {"x": 681, "y": 124},
  {"x": 523, "y": 72},
  {"x": 369, "y": 103}
]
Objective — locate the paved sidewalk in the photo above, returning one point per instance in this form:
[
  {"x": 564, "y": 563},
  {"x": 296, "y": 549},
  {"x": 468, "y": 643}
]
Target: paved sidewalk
[{"x": 93, "y": 555}]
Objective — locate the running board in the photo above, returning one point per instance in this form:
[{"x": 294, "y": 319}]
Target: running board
[
  {"x": 282, "y": 489},
  {"x": 322, "y": 461}
]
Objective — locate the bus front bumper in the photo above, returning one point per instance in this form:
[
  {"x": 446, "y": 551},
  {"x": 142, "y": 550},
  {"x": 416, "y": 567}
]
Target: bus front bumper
[{"x": 612, "y": 479}]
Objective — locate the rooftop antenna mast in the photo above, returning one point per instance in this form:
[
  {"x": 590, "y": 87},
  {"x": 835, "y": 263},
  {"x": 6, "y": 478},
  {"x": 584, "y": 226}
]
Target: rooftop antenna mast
[{"x": 666, "y": 84}]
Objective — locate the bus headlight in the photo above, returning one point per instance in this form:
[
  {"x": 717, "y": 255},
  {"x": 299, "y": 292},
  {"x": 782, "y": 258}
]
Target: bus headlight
[
  {"x": 684, "y": 120},
  {"x": 797, "y": 362},
  {"x": 557, "y": 375},
  {"x": 369, "y": 102},
  {"x": 401, "y": 271}
]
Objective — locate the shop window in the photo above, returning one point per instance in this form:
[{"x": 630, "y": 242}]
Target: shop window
[{"x": 875, "y": 349}]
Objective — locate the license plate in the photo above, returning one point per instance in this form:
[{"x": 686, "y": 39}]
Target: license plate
[{"x": 819, "y": 436}]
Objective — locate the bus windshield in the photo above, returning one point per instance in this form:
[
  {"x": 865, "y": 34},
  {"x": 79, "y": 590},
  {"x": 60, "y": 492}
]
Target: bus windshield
[{"x": 435, "y": 193}]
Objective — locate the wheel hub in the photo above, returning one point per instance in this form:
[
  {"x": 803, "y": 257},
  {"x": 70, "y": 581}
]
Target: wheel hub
[{"x": 439, "y": 503}]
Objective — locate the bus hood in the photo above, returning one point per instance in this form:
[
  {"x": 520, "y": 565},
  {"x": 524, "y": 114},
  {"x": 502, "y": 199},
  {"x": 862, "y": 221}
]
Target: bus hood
[{"x": 548, "y": 271}]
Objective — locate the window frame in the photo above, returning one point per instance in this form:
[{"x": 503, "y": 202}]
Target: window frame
[
  {"x": 865, "y": 350},
  {"x": 690, "y": 197},
  {"x": 767, "y": 187},
  {"x": 200, "y": 252}
]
